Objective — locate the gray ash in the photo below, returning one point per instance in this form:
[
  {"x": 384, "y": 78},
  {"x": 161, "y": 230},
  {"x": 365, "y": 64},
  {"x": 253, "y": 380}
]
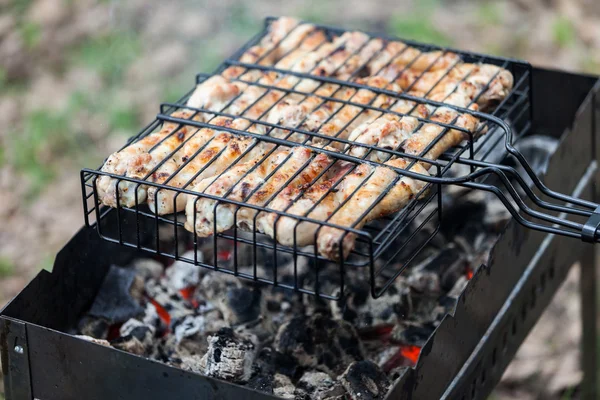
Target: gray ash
[
  {"x": 230, "y": 356},
  {"x": 283, "y": 343}
]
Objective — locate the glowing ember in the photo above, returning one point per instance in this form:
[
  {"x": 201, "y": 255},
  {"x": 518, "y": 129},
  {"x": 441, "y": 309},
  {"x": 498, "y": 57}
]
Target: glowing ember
[
  {"x": 406, "y": 356},
  {"x": 469, "y": 273},
  {"x": 188, "y": 292},
  {"x": 162, "y": 312},
  {"x": 411, "y": 353},
  {"x": 381, "y": 332},
  {"x": 224, "y": 255}
]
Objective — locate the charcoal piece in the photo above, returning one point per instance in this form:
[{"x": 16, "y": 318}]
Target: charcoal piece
[
  {"x": 213, "y": 287},
  {"x": 182, "y": 275},
  {"x": 130, "y": 344},
  {"x": 364, "y": 380},
  {"x": 192, "y": 325},
  {"x": 229, "y": 356},
  {"x": 461, "y": 213},
  {"x": 450, "y": 263},
  {"x": 148, "y": 268},
  {"x": 285, "y": 364},
  {"x": 163, "y": 350},
  {"x": 264, "y": 363},
  {"x": 152, "y": 319},
  {"x": 240, "y": 305},
  {"x": 319, "y": 386},
  {"x": 170, "y": 299},
  {"x": 283, "y": 387},
  {"x": 136, "y": 325},
  {"x": 363, "y": 311},
  {"x": 189, "y": 333},
  {"x": 414, "y": 334},
  {"x": 114, "y": 301},
  {"x": 319, "y": 342},
  {"x": 94, "y": 327}
]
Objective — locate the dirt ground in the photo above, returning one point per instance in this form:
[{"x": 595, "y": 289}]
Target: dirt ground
[{"x": 79, "y": 77}]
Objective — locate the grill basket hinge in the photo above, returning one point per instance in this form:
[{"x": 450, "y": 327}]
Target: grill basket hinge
[
  {"x": 588, "y": 233},
  {"x": 14, "y": 354}
]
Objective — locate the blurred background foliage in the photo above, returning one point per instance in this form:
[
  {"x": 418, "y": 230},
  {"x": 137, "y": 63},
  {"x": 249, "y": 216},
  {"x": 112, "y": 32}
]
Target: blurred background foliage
[{"x": 77, "y": 77}]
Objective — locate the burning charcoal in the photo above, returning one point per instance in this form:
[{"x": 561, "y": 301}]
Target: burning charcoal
[
  {"x": 182, "y": 275},
  {"x": 93, "y": 340},
  {"x": 319, "y": 342},
  {"x": 151, "y": 318},
  {"x": 283, "y": 387},
  {"x": 171, "y": 300},
  {"x": 190, "y": 332},
  {"x": 94, "y": 327},
  {"x": 229, "y": 357},
  {"x": 364, "y": 380},
  {"x": 114, "y": 301},
  {"x": 319, "y": 386},
  {"x": 408, "y": 333},
  {"x": 148, "y": 268}
]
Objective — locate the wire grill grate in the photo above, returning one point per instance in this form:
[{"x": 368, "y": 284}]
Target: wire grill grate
[{"x": 384, "y": 247}]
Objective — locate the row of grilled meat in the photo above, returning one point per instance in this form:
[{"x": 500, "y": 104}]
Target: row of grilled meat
[{"x": 323, "y": 195}]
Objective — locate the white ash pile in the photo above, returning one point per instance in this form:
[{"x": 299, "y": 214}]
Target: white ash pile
[{"x": 281, "y": 342}]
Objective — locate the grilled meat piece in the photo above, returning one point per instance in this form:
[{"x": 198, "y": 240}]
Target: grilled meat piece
[{"x": 381, "y": 191}]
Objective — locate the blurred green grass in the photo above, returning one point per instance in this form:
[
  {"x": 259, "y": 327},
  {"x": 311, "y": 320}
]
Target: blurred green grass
[
  {"x": 7, "y": 268},
  {"x": 109, "y": 54},
  {"x": 563, "y": 32},
  {"x": 419, "y": 25}
]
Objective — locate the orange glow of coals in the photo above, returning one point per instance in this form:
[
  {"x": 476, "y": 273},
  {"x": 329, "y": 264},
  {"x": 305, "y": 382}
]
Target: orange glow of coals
[
  {"x": 406, "y": 356},
  {"x": 411, "y": 353},
  {"x": 188, "y": 294},
  {"x": 469, "y": 273},
  {"x": 162, "y": 313},
  {"x": 381, "y": 332},
  {"x": 224, "y": 255}
]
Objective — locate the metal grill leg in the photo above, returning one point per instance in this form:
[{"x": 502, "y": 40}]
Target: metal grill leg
[{"x": 589, "y": 361}]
